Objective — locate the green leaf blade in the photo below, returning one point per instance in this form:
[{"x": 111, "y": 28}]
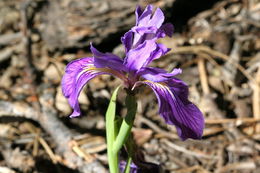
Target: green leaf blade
[{"x": 110, "y": 133}]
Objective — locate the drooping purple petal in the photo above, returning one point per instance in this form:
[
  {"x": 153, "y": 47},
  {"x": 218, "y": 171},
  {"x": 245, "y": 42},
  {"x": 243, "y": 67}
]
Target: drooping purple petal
[
  {"x": 109, "y": 60},
  {"x": 156, "y": 74},
  {"x": 177, "y": 110},
  {"x": 74, "y": 79}
]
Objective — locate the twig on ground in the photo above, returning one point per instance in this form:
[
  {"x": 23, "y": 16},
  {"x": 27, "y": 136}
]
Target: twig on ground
[
  {"x": 191, "y": 169},
  {"x": 236, "y": 121},
  {"x": 256, "y": 99},
  {"x": 238, "y": 166},
  {"x": 161, "y": 132},
  {"x": 203, "y": 76},
  {"x": 10, "y": 38},
  {"x": 188, "y": 152},
  {"x": 214, "y": 53}
]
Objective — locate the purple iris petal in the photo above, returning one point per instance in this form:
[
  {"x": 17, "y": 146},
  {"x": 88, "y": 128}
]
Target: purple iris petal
[
  {"x": 148, "y": 19},
  {"x": 136, "y": 58},
  {"x": 157, "y": 53},
  {"x": 166, "y": 29},
  {"x": 144, "y": 18},
  {"x": 151, "y": 23},
  {"x": 140, "y": 168},
  {"x": 144, "y": 54},
  {"x": 133, "y": 167},
  {"x": 157, "y": 19},
  {"x": 144, "y": 30},
  {"x": 141, "y": 34},
  {"x": 138, "y": 13},
  {"x": 102, "y": 60},
  {"x": 139, "y": 39},
  {"x": 157, "y": 74},
  {"x": 74, "y": 80},
  {"x": 127, "y": 40},
  {"x": 177, "y": 110},
  {"x": 140, "y": 42}
]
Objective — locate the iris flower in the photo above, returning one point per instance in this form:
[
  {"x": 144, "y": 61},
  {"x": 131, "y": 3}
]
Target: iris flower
[{"x": 141, "y": 49}]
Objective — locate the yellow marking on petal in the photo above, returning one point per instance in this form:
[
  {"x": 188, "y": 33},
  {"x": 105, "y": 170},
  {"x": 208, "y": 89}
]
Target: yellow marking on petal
[
  {"x": 107, "y": 70},
  {"x": 162, "y": 85},
  {"x": 156, "y": 83}
]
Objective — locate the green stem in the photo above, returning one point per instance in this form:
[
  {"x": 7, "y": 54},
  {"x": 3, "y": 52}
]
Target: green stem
[
  {"x": 113, "y": 162},
  {"x": 117, "y": 138},
  {"x": 127, "y": 123}
]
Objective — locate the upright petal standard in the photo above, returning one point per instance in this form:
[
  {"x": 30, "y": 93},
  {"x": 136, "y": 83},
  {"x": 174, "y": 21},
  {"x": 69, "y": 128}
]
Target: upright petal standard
[{"x": 141, "y": 49}]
